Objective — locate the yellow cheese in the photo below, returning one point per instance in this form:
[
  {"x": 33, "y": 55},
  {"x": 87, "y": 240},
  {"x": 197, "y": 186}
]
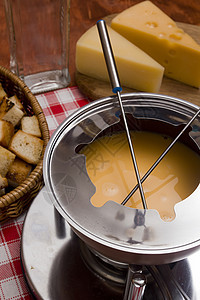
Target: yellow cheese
[
  {"x": 149, "y": 28},
  {"x": 111, "y": 170},
  {"x": 136, "y": 69}
]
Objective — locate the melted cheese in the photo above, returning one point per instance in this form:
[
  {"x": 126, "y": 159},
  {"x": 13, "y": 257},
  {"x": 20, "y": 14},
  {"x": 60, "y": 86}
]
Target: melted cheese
[
  {"x": 150, "y": 29},
  {"x": 110, "y": 168},
  {"x": 136, "y": 69}
]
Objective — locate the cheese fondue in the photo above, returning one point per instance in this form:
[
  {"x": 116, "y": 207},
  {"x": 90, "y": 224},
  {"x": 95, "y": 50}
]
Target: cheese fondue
[{"x": 110, "y": 168}]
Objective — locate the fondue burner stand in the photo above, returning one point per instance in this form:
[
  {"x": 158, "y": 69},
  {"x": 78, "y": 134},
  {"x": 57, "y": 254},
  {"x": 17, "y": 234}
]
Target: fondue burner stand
[
  {"x": 72, "y": 250},
  {"x": 57, "y": 265}
]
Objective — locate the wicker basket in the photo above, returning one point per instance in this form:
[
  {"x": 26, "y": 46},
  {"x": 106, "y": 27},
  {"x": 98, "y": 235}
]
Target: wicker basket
[{"x": 16, "y": 201}]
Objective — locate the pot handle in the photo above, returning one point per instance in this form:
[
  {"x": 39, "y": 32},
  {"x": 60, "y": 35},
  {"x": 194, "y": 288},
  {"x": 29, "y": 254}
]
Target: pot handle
[{"x": 135, "y": 283}]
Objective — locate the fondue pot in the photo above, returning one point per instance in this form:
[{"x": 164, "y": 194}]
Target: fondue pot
[
  {"x": 118, "y": 246},
  {"x": 106, "y": 230}
]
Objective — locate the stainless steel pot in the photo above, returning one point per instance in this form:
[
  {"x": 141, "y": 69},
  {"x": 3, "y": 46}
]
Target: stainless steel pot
[{"x": 153, "y": 241}]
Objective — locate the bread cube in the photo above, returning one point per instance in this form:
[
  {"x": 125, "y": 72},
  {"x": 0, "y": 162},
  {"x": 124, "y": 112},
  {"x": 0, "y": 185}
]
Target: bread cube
[
  {"x": 31, "y": 125},
  {"x": 6, "y": 160},
  {"x": 10, "y": 112},
  {"x": 16, "y": 101},
  {"x": 2, "y": 92},
  {"x": 3, "y": 182},
  {"x": 27, "y": 147},
  {"x": 5, "y": 106},
  {"x": 18, "y": 172},
  {"x": 2, "y": 192},
  {"x": 6, "y": 133}
]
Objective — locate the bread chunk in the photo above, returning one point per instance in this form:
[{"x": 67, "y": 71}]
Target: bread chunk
[
  {"x": 10, "y": 112},
  {"x": 6, "y": 160},
  {"x": 2, "y": 192},
  {"x": 3, "y": 182},
  {"x": 2, "y": 92},
  {"x": 16, "y": 101},
  {"x": 31, "y": 125},
  {"x": 6, "y": 133},
  {"x": 5, "y": 106},
  {"x": 18, "y": 172},
  {"x": 27, "y": 147}
]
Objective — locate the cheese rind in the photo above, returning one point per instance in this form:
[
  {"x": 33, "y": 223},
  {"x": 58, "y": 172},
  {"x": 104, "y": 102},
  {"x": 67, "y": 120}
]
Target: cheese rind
[
  {"x": 150, "y": 29},
  {"x": 136, "y": 69}
]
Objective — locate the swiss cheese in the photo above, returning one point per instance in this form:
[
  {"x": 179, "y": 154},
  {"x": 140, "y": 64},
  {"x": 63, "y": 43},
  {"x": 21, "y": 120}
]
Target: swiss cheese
[
  {"x": 136, "y": 69},
  {"x": 150, "y": 29}
]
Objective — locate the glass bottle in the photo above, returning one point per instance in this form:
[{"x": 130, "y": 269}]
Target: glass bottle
[{"x": 39, "y": 42}]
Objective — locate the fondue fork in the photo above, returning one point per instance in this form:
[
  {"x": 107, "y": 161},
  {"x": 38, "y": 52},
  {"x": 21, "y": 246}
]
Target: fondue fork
[
  {"x": 160, "y": 158},
  {"x": 114, "y": 79}
]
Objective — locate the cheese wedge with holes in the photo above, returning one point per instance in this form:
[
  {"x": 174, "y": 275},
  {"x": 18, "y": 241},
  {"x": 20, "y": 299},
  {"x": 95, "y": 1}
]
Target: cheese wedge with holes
[
  {"x": 136, "y": 69},
  {"x": 150, "y": 29}
]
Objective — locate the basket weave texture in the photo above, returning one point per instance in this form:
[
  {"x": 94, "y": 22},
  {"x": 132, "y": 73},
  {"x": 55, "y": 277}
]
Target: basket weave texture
[{"x": 16, "y": 201}]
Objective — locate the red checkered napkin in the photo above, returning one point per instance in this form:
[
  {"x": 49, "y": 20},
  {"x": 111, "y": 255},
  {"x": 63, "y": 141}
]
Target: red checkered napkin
[
  {"x": 12, "y": 284},
  {"x": 60, "y": 104},
  {"x": 57, "y": 106}
]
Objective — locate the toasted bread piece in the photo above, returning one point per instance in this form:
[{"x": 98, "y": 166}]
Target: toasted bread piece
[
  {"x": 2, "y": 92},
  {"x": 5, "y": 106},
  {"x": 6, "y": 133},
  {"x": 27, "y": 147},
  {"x": 6, "y": 160},
  {"x": 2, "y": 192},
  {"x": 14, "y": 115},
  {"x": 3, "y": 182},
  {"x": 31, "y": 125},
  {"x": 18, "y": 172},
  {"x": 16, "y": 101},
  {"x": 10, "y": 112}
]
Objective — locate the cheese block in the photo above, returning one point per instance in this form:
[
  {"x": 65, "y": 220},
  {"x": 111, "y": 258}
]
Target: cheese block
[
  {"x": 149, "y": 28},
  {"x": 136, "y": 69}
]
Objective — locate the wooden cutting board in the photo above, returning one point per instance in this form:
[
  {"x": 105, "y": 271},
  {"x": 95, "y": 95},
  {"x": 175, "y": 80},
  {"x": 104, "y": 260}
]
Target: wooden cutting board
[{"x": 95, "y": 89}]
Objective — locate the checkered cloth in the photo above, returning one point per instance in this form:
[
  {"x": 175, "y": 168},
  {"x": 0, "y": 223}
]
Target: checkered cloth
[{"x": 57, "y": 106}]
